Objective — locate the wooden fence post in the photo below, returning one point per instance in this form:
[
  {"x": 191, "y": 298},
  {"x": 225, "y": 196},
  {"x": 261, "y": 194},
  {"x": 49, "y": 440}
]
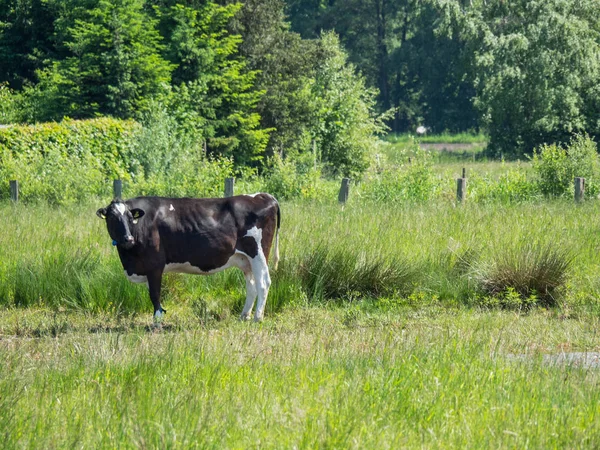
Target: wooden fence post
[
  {"x": 117, "y": 188},
  {"x": 229, "y": 182},
  {"x": 461, "y": 187},
  {"x": 14, "y": 190},
  {"x": 579, "y": 189},
  {"x": 344, "y": 190}
]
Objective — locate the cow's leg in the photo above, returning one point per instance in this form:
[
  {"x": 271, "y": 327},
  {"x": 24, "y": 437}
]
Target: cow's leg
[
  {"x": 260, "y": 270},
  {"x": 251, "y": 294},
  {"x": 242, "y": 261},
  {"x": 251, "y": 246},
  {"x": 154, "y": 285}
]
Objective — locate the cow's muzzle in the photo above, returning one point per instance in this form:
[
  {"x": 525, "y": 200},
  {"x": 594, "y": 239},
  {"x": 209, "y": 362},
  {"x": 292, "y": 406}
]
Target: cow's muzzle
[{"x": 128, "y": 243}]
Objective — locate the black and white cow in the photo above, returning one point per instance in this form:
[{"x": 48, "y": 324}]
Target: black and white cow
[{"x": 202, "y": 236}]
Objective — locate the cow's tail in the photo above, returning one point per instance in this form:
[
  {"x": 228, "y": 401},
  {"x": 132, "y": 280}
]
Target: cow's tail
[{"x": 276, "y": 252}]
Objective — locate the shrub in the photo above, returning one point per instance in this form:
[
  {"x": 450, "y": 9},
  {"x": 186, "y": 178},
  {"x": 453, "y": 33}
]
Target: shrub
[
  {"x": 347, "y": 122},
  {"x": 9, "y": 105},
  {"x": 292, "y": 178},
  {"x": 512, "y": 186},
  {"x": 413, "y": 180},
  {"x": 68, "y": 161},
  {"x": 188, "y": 174},
  {"x": 556, "y": 166}
]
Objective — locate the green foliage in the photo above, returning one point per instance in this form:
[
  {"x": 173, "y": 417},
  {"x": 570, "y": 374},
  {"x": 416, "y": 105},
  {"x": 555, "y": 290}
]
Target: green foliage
[
  {"x": 69, "y": 161},
  {"x": 74, "y": 161},
  {"x": 170, "y": 161},
  {"x": 538, "y": 73},
  {"x": 111, "y": 64},
  {"x": 289, "y": 178},
  {"x": 347, "y": 122},
  {"x": 214, "y": 94},
  {"x": 442, "y": 138},
  {"x": 26, "y": 30},
  {"x": 514, "y": 185},
  {"x": 189, "y": 174},
  {"x": 557, "y": 166},
  {"x": 286, "y": 65},
  {"x": 9, "y": 105},
  {"x": 418, "y": 55},
  {"x": 414, "y": 180}
]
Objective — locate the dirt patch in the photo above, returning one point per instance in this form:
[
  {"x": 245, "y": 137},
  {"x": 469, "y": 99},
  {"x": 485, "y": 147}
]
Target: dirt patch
[{"x": 451, "y": 147}]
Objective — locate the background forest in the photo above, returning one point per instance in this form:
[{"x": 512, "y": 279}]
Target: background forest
[{"x": 306, "y": 79}]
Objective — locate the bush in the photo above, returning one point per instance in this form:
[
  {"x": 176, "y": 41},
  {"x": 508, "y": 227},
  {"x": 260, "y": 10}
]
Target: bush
[
  {"x": 292, "y": 178},
  {"x": 68, "y": 161},
  {"x": 347, "y": 122},
  {"x": 413, "y": 180},
  {"x": 9, "y": 105},
  {"x": 556, "y": 167},
  {"x": 512, "y": 186},
  {"x": 188, "y": 174},
  {"x": 171, "y": 160}
]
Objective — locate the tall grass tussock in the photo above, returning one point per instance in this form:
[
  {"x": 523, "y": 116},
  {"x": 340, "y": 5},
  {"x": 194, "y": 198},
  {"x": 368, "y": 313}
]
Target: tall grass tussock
[
  {"x": 534, "y": 272},
  {"x": 345, "y": 272}
]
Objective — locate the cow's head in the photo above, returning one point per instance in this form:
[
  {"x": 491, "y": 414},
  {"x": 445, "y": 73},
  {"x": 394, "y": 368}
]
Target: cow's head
[{"x": 120, "y": 220}]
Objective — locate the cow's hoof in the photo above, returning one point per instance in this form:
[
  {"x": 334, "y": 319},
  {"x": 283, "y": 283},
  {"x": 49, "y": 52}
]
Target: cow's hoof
[
  {"x": 245, "y": 317},
  {"x": 258, "y": 319},
  {"x": 159, "y": 316}
]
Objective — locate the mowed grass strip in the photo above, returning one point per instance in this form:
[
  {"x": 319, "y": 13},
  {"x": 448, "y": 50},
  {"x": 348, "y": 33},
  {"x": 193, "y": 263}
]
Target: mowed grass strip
[{"x": 306, "y": 378}]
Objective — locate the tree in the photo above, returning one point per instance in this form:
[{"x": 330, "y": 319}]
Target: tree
[
  {"x": 214, "y": 91},
  {"x": 418, "y": 54},
  {"x": 539, "y": 71},
  {"x": 432, "y": 72},
  {"x": 26, "y": 28},
  {"x": 109, "y": 62},
  {"x": 347, "y": 119},
  {"x": 285, "y": 72}
]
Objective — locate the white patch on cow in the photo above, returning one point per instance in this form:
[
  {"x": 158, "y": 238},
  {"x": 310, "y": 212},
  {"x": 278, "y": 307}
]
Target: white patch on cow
[
  {"x": 171, "y": 208},
  {"x": 121, "y": 207},
  {"x": 252, "y": 195},
  {"x": 256, "y": 233},
  {"x": 134, "y": 278}
]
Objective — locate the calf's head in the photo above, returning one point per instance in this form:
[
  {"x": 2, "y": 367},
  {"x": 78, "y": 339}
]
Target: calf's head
[{"x": 120, "y": 222}]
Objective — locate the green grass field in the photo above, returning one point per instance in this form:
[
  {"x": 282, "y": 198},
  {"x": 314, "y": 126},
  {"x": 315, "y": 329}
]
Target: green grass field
[
  {"x": 309, "y": 377},
  {"x": 379, "y": 334},
  {"x": 389, "y": 324}
]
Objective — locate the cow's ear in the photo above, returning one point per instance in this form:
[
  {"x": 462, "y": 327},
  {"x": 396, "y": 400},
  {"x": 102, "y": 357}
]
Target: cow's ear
[
  {"x": 137, "y": 213},
  {"x": 101, "y": 213}
]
